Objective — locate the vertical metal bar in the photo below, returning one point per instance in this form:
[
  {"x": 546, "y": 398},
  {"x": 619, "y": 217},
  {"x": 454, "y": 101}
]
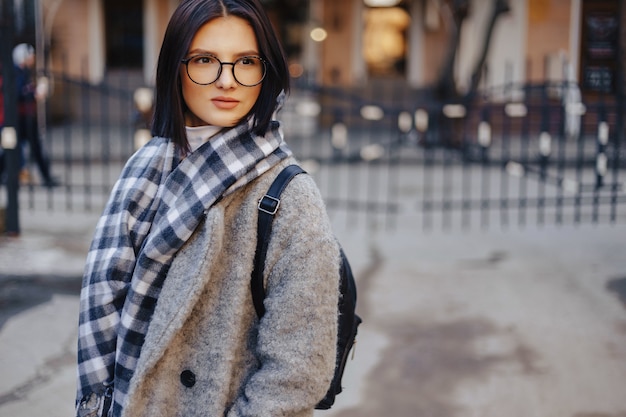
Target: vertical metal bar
[
  {"x": 466, "y": 183},
  {"x": 602, "y": 139},
  {"x": 31, "y": 133},
  {"x": 10, "y": 142},
  {"x": 621, "y": 114},
  {"x": 43, "y": 105},
  {"x": 370, "y": 165},
  {"x": 50, "y": 148},
  {"x": 619, "y": 125},
  {"x": 545, "y": 152},
  {"x": 485, "y": 140},
  {"x": 373, "y": 165},
  {"x": 505, "y": 150},
  {"x": 560, "y": 168},
  {"x": 46, "y": 143},
  {"x": 86, "y": 136},
  {"x": 384, "y": 191},
  {"x": 446, "y": 212},
  {"x": 105, "y": 139},
  {"x": 354, "y": 175},
  {"x": 505, "y": 159},
  {"x": 617, "y": 161},
  {"x": 126, "y": 93},
  {"x": 522, "y": 205},
  {"x": 393, "y": 167},
  {"x": 427, "y": 166},
  {"x": 580, "y": 159},
  {"x": 339, "y": 139},
  {"x": 69, "y": 132}
]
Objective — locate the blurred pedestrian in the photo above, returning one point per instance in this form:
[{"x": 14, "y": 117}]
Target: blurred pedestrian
[
  {"x": 28, "y": 94},
  {"x": 167, "y": 322},
  {"x": 1, "y": 126}
]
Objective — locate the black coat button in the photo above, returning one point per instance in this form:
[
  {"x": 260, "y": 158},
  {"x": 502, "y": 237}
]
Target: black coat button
[{"x": 188, "y": 378}]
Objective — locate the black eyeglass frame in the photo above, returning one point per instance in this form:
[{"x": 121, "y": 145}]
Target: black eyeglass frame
[{"x": 232, "y": 68}]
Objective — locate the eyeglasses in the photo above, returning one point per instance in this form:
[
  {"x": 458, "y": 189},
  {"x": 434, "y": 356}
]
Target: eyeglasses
[{"x": 206, "y": 69}]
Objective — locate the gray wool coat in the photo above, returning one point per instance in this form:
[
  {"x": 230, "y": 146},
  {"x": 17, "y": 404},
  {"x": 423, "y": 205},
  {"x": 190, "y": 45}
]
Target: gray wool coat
[{"x": 206, "y": 353}]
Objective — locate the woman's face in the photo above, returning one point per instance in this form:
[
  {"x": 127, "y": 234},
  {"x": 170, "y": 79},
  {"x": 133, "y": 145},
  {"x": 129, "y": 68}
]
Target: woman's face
[{"x": 225, "y": 102}]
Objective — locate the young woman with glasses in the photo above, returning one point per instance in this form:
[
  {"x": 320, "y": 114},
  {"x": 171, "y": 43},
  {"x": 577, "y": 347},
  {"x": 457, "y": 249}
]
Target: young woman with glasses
[{"x": 167, "y": 322}]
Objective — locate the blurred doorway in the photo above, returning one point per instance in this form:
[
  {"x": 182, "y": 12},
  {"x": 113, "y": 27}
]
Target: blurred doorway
[
  {"x": 385, "y": 40},
  {"x": 124, "y": 33}
]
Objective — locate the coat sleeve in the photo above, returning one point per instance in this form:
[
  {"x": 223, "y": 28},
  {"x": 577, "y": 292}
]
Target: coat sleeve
[
  {"x": 110, "y": 262},
  {"x": 296, "y": 344}
]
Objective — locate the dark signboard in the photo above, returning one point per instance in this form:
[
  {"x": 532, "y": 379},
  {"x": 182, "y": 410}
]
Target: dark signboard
[{"x": 599, "y": 47}]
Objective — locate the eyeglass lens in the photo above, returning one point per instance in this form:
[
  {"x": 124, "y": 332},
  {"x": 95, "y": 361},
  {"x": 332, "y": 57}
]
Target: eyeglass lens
[{"x": 206, "y": 69}]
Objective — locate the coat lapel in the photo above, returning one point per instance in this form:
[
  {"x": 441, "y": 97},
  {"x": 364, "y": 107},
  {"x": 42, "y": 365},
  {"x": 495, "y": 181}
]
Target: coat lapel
[{"x": 181, "y": 290}]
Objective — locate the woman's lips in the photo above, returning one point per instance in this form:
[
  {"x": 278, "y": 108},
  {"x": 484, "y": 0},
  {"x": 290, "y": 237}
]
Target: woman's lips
[{"x": 224, "y": 103}]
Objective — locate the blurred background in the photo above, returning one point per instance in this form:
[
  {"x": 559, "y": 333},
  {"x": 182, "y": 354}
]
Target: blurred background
[
  {"x": 509, "y": 111},
  {"x": 471, "y": 156}
]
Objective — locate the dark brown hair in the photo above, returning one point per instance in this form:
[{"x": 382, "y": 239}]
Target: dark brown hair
[{"x": 188, "y": 18}]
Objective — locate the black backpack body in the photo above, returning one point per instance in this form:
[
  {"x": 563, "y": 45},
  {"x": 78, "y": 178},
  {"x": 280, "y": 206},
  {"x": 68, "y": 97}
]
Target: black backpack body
[{"x": 348, "y": 321}]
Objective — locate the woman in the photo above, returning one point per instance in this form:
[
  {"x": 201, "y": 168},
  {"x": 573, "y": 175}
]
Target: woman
[{"x": 167, "y": 322}]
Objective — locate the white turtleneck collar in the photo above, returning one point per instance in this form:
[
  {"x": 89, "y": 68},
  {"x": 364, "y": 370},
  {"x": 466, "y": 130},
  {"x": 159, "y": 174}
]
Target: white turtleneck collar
[{"x": 197, "y": 135}]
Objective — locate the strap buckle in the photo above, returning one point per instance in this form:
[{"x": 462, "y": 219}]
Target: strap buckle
[{"x": 269, "y": 204}]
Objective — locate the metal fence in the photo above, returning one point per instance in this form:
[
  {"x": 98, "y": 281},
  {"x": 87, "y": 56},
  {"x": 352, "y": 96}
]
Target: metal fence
[{"x": 513, "y": 156}]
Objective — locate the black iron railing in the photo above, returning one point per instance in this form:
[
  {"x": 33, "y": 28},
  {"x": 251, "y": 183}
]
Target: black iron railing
[{"x": 512, "y": 156}]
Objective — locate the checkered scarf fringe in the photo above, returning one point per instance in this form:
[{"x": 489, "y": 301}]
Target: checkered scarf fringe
[{"x": 154, "y": 208}]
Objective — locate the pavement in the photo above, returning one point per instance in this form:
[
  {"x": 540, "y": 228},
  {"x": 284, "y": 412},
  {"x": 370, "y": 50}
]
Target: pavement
[{"x": 476, "y": 323}]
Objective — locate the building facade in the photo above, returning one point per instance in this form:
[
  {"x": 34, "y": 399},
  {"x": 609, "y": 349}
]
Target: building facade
[
  {"x": 351, "y": 43},
  {"x": 578, "y": 40}
]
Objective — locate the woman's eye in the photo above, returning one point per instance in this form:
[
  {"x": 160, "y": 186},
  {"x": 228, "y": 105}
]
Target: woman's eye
[
  {"x": 203, "y": 59},
  {"x": 248, "y": 61}
]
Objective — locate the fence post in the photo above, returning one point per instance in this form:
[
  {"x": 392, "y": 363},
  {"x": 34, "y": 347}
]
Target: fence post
[{"x": 9, "y": 139}]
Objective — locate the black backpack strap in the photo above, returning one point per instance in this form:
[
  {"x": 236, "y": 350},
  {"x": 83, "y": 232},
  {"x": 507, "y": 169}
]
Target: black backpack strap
[{"x": 268, "y": 206}]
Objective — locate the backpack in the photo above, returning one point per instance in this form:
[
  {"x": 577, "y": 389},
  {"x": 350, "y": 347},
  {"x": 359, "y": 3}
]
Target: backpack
[{"x": 348, "y": 321}]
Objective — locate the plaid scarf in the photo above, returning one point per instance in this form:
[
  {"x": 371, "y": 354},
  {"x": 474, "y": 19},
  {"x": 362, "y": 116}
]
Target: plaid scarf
[{"x": 154, "y": 208}]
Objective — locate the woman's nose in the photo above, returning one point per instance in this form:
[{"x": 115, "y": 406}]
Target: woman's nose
[{"x": 226, "y": 78}]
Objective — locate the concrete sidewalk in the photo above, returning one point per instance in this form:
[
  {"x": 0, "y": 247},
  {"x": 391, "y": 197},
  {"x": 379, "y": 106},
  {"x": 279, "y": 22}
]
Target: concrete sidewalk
[
  {"x": 514, "y": 323},
  {"x": 519, "y": 323}
]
